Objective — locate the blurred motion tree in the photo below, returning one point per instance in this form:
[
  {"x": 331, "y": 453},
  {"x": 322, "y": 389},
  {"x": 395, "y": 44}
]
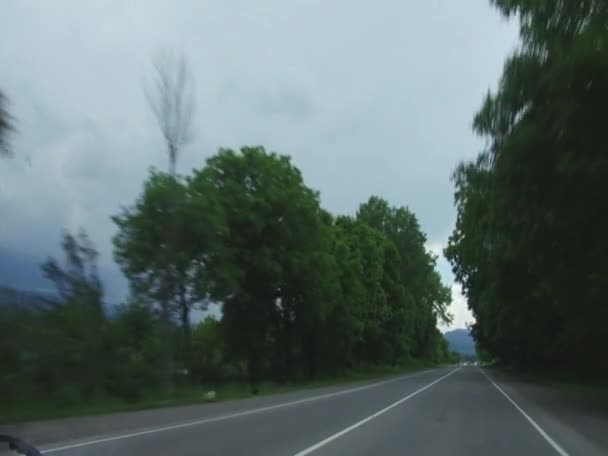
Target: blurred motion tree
[
  {"x": 68, "y": 347},
  {"x": 529, "y": 240},
  {"x": 67, "y": 350},
  {"x": 77, "y": 282}
]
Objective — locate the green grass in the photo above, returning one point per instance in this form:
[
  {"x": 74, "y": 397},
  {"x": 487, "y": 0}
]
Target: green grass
[{"x": 191, "y": 395}]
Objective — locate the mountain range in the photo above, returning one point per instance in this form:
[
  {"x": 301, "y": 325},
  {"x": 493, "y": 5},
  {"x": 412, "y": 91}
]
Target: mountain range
[{"x": 460, "y": 341}]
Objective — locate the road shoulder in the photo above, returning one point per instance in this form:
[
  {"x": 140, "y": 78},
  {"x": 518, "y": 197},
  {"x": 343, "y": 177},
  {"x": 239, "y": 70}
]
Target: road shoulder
[{"x": 577, "y": 425}]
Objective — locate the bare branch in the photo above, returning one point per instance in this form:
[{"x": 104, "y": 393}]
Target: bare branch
[
  {"x": 172, "y": 102},
  {"x": 6, "y": 127}
]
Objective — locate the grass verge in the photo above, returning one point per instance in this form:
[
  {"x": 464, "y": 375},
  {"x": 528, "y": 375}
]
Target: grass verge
[{"x": 193, "y": 395}]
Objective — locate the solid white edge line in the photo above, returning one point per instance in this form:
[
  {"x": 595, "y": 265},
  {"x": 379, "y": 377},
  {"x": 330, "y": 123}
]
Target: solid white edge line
[
  {"x": 232, "y": 415},
  {"x": 540, "y": 430},
  {"x": 339, "y": 434}
]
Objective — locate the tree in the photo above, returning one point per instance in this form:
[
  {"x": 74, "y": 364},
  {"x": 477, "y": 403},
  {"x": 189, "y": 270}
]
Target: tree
[
  {"x": 170, "y": 269},
  {"x": 6, "y": 126},
  {"x": 269, "y": 225},
  {"x": 307, "y": 293},
  {"x": 138, "y": 353},
  {"x": 424, "y": 299},
  {"x": 210, "y": 363},
  {"x": 528, "y": 241},
  {"x": 160, "y": 248},
  {"x": 369, "y": 247},
  {"x": 78, "y": 281},
  {"x": 68, "y": 344},
  {"x": 345, "y": 324},
  {"x": 66, "y": 349},
  {"x": 172, "y": 102}
]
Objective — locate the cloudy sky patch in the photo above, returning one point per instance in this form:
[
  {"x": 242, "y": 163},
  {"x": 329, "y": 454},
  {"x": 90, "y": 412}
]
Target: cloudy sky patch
[{"x": 367, "y": 97}]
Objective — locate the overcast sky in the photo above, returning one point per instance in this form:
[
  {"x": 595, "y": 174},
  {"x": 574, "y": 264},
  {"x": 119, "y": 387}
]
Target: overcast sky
[{"x": 368, "y": 97}]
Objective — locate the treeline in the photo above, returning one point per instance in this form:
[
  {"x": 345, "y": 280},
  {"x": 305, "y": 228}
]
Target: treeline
[
  {"x": 301, "y": 293},
  {"x": 530, "y": 243}
]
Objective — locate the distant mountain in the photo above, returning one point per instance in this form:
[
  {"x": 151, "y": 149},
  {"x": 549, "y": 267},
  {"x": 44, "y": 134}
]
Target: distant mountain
[
  {"x": 12, "y": 297},
  {"x": 22, "y": 272},
  {"x": 460, "y": 341}
]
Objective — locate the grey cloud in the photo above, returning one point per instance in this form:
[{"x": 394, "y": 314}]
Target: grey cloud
[
  {"x": 278, "y": 100},
  {"x": 285, "y": 101}
]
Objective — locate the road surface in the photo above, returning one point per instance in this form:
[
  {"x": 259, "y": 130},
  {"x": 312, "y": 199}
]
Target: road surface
[{"x": 448, "y": 411}]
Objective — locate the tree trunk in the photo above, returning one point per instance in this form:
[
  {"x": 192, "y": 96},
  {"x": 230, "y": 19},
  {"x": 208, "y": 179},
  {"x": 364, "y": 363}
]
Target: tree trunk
[
  {"x": 252, "y": 369},
  {"x": 184, "y": 310},
  {"x": 310, "y": 353},
  {"x": 172, "y": 158},
  {"x": 288, "y": 364}
]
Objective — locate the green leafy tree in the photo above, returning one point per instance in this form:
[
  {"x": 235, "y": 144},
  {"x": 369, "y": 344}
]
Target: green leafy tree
[
  {"x": 160, "y": 248},
  {"x": 268, "y": 225},
  {"x": 345, "y": 324},
  {"x": 308, "y": 292},
  {"x": 424, "y": 299},
  {"x": 210, "y": 364},
  {"x": 528, "y": 241},
  {"x": 139, "y": 353}
]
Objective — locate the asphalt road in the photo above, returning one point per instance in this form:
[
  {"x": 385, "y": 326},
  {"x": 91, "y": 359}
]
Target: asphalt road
[{"x": 447, "y": 411}]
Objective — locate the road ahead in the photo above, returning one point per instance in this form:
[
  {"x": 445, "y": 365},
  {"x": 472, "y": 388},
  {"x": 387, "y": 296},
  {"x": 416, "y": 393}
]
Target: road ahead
[{"x": 438, "y": 412}]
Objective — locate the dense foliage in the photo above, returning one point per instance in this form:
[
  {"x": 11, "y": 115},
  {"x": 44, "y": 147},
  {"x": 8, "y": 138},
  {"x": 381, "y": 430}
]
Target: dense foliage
[
  {"x": 66, "y": 348},
  {"x": 301, "y": 293},
  {"x": 529, "y": 245}
]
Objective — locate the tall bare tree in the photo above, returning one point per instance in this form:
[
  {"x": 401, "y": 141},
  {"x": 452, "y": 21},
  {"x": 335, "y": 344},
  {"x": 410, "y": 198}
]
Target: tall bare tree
[
  {"x": 171, "y": 97},
  {"x": 6, "y": 126},
  {"x": 172, "y": 101}
]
